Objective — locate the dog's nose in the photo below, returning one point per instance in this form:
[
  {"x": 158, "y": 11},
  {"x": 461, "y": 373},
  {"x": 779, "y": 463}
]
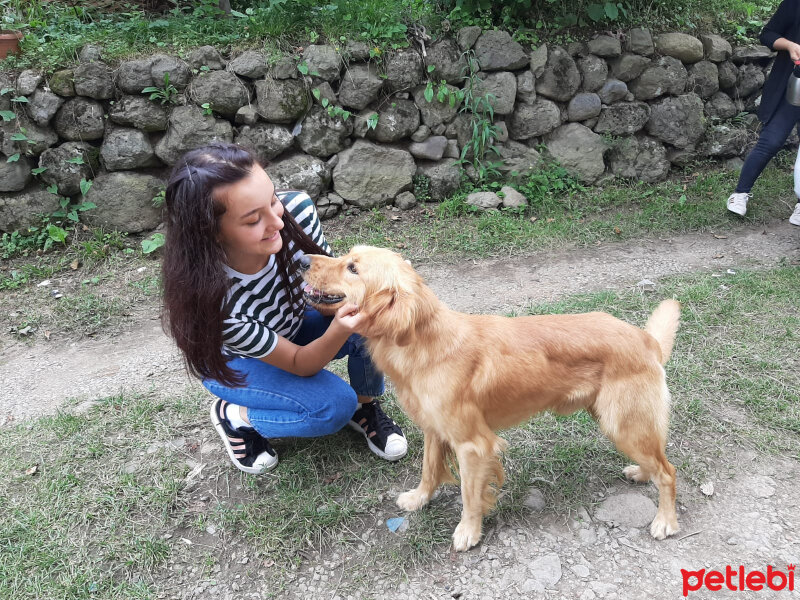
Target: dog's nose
[{"x": 305, "y": 263}]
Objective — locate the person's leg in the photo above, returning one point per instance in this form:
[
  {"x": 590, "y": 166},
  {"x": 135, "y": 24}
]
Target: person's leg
[{"x": 794, "y": 219}]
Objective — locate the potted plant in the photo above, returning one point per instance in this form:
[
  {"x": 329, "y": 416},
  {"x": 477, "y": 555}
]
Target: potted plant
[{"x": 9, "y": 42}]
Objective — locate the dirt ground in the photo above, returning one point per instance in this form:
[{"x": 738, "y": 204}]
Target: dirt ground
[{"x": 602, "y": 551}]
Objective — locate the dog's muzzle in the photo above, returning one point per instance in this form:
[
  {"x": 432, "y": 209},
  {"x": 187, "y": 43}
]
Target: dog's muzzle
[{"x": 315, "y": 296}]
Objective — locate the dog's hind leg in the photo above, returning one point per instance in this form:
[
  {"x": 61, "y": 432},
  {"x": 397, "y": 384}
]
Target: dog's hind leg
[
  {"x": 479, "y": 467},
  {"x": 435, "y": 471},
  {"x": 635, "y": 416}
]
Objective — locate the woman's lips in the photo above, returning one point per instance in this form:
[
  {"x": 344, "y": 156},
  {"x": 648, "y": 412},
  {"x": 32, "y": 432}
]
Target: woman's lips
[{"x": 273, "y": 237}]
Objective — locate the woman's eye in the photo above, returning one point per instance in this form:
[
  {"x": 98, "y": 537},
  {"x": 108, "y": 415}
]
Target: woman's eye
[
  {"x": 256, "y": 222},
  {"x": 352, "y": 268}
]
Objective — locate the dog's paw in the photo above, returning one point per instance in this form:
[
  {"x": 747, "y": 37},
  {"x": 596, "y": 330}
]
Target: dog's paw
[
  {"x": 663, "y": 527},
  {"x": 412, "y": 500},
  {"x": 466, "y": 536},
  {"x": 634, "y": 473}
]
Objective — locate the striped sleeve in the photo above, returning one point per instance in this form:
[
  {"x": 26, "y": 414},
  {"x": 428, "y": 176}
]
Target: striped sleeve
[
  {"x": 248, "y": 338},
  {"x": 302, "y": 208}
]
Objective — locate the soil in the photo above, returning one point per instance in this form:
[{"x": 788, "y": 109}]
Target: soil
[{"x": 603, "y": 550}]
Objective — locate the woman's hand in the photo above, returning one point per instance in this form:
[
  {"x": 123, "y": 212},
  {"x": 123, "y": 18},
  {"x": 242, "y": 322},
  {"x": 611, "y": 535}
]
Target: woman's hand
[
  {"x": 792, "y": 48},
  {"x": 349, "y": 318}
]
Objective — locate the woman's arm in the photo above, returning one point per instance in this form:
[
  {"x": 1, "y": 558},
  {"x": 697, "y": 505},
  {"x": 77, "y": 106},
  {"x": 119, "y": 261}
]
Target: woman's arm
[
  {"x": 781, "y": 23},
  {"x": 311, "y": 359},
  {"x": 792, "y": 48}
]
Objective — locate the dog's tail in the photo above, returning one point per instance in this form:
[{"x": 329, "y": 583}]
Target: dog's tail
[{"x": 663, "y": 324}]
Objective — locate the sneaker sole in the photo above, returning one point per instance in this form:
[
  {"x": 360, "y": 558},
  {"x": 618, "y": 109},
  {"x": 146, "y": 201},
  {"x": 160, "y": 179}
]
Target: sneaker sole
[
  {"x": 736, "y": 212},
  {"x": 225, "y": 442},
  {"x": 373, "y": 448}
]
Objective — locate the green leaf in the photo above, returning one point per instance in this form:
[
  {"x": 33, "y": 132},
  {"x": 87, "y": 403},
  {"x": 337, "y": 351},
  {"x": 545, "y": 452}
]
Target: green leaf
[
  {"x": 238, "y": 15},
  {"x": 76, "y": 160},
  {"x": 56, "y": 233},
  {"x": 19, "y": 137},
  {"x": 431, "y": 68},
  {"x": 303, "y": 68},
  {"x": 53, "y": 189},
  {"x": 595, "y": 12},
  {"x": 38, "y": 170},
  {"x": 5, "y": 91},
  {"x": 13, "y": 158},
  {"x": 153, "y": 243},
  {"x": 345, "y": 115},
  {"x": 86, "y": 206},
  {"x": 315, "y": 92},
  {"x": 150, "y": 90},
  {"x": 73, "y": 215},
  {"x": 372, "y": 121},
  {"x": 325, "y": 102},
  {"x": 21, "y": 99},
  {"x": 429, "y": 93},
  {"x": 8, "y": 115},
  {"x": 85, "y": 186},
  {"x": 611, "y": 10}
]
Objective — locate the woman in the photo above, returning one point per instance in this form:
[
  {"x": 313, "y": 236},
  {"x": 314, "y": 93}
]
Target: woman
[
  {"x": 782, "y": 33},
  {"x": 233, "y": 302}
]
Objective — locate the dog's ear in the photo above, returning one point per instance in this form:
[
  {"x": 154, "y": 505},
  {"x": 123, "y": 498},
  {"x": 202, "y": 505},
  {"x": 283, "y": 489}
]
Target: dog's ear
[{"x": 390, "y": 314}]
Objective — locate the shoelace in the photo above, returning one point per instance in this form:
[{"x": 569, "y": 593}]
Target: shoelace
[{"x": 383, "y": 423}]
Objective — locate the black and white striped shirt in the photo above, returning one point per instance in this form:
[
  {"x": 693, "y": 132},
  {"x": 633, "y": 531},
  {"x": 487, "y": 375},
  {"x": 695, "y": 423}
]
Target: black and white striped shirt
[{"x": 257, "y": 306}]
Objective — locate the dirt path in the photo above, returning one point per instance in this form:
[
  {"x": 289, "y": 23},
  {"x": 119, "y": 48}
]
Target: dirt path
[{"x": 37, "y": 378}]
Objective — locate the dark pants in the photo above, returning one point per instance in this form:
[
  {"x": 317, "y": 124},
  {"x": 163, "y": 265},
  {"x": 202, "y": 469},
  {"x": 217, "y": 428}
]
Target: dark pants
[{"x": 773, "y": 137}]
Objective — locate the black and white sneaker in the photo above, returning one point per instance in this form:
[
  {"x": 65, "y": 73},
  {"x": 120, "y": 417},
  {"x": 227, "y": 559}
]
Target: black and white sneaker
[
  {"x": 248, "y": 451},
  {"x": 384, "y": 437}
]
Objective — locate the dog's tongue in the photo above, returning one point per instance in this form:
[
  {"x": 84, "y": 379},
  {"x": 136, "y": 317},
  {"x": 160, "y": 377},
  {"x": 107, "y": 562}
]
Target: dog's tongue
[{"x": 308, "y": 289}]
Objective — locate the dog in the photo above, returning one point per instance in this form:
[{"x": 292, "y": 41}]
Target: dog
[{"x": 462, "y": 377}]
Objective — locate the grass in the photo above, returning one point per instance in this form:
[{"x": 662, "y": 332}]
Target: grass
[
  {"x": 117, "y": 492},
  {"x": 563, "y": 214}
]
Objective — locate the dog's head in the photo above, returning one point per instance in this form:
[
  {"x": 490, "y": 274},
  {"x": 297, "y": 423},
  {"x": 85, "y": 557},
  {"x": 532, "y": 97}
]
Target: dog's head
[{"x": 386, "y": 289}]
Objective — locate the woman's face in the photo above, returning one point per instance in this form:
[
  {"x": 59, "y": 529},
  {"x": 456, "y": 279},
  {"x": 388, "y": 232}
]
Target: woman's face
[{"x": 250, "y": 227}]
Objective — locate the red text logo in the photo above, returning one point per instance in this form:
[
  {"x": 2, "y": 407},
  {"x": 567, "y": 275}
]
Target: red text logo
[{"x": 738, "y": 579}]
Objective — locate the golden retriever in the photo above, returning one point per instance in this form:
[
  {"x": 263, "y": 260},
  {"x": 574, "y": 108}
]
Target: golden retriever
[{"x": 461, "y": 377}]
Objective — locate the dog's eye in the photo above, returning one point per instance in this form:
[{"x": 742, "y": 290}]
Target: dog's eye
[{"x": 352, "y": 268}]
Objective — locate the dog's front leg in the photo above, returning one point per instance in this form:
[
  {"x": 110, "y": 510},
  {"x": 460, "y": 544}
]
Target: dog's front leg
[{"x": 435, "y": 471}]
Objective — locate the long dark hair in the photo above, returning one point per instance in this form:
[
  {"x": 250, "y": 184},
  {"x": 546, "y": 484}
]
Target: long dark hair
[{"x": 194, "y": 278}]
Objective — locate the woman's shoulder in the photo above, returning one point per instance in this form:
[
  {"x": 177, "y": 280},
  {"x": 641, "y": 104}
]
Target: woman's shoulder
[{"x": 295, "y": 201}]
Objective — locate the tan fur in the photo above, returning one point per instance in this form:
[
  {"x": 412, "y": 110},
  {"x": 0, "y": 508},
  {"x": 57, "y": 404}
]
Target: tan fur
[{"x": 462, "y": 377}]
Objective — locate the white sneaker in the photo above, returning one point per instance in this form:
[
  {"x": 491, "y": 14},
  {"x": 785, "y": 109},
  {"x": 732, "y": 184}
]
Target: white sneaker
[
  {"x": 737, "y": 203},
  {"x": 795, "y": 218}
]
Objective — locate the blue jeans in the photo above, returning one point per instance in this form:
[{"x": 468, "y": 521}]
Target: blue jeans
[
  {"x": 280, "y": 404},
  {"x": 773, "y": 137}
]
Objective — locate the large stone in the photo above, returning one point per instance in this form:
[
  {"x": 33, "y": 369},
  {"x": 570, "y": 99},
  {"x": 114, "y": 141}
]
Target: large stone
[
  {"x": 400, "y": 119},
  {"x": 436, "y": 113},
  {"x": 665, "y": 76},
  {"x": 188, "y": 129},
  {"x": 626, "y": 510},
  {"x": 467, "y": 36},
  {"x": 717, "y": 49},
  {"x": 526, "y": 87},
  {"x": 246, "y": 115},
  {"x": 178, "y": 71},
  {"x": 403, "y": 70},
  {"x": 561, "y": 78},
  {"x": 206, "y": 56},
  {"x": 139, "y": 112},
  {"x": 127, "y": 148},
  {"x": 62, "y": 83},
  {"x": 67, "y": 164},
  {"x": 281, "y": 100},
  {"x": 723, "y": 141},
  {"x": 444, "y": 178},
  {"x": 639, "y": 157},
  {"x": 497, "y": 51},
  {"x": 720, "y": 107},
  {"x": 728, "y": 74},
  {"x": 94, "y": 80},
  {"x": 703, "y": 79},
  {"x": 300, "y": 172},
  {"x": 284, "y": 68},
  {"x": 14, "y": 176},
  {"x": 323, "y": 60},
  {"x": 37, "y": 138},
  {"x": 538, "y": 60},
  {"x": 533, "y": 120},
  {"x": 623, "y": 118},
  {"x": 80, "y": 119},
  {"x": 124, "y": 201},
  {"x": 612, "y": 91},
  {"x": 20, "y": 210},
  {"x": 369, "y": 175},
  {"x": 518, "y": 161},
  {"x": 250, "y": 63},
  {"x": 579, "y": 150},
  {"x": 606, "y": 46},
  {"x": 447, "y": 60},
  {"x": 677, "y": 121},
  {"x": 222, "y": 90},
  {"x": 628, "y": 66},
  {"x": 750, "y": 79},
  {"x": 90, "y": 53},
  {"x": 355, "y": 50},
  {"x": 360, "y": 86},
  {"x": 267, "y": 140},
  {"x": 640, "y": 41},
  {"x": 484, "y": 200},
  {"x": 755, "y": 53},
  {"x": 584, "y": 106},
  {"x": 27, "y": 82},
  {"x": 322, "y": 134},
  {"x": 686, "y": 48},
  {"x": 512, "y": 198},
  {"x": 594, "y": 72},
  {"x": 502, "y": 86},
  {"x": 132, "y": 76},
  {"x": 43, "y": 106},
  {"x": 431, "y": 149}
]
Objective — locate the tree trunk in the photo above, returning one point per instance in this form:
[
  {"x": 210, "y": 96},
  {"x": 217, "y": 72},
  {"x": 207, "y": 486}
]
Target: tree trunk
[{"x": 225, "y": 6}]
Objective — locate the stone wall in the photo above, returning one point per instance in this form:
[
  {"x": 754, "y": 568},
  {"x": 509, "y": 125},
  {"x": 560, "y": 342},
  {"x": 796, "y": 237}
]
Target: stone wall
[{"x": 628, "y": 106}]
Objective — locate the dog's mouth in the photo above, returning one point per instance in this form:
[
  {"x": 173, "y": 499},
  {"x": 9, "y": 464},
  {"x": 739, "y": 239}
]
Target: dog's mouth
[{"x": 315, "y": 296}]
